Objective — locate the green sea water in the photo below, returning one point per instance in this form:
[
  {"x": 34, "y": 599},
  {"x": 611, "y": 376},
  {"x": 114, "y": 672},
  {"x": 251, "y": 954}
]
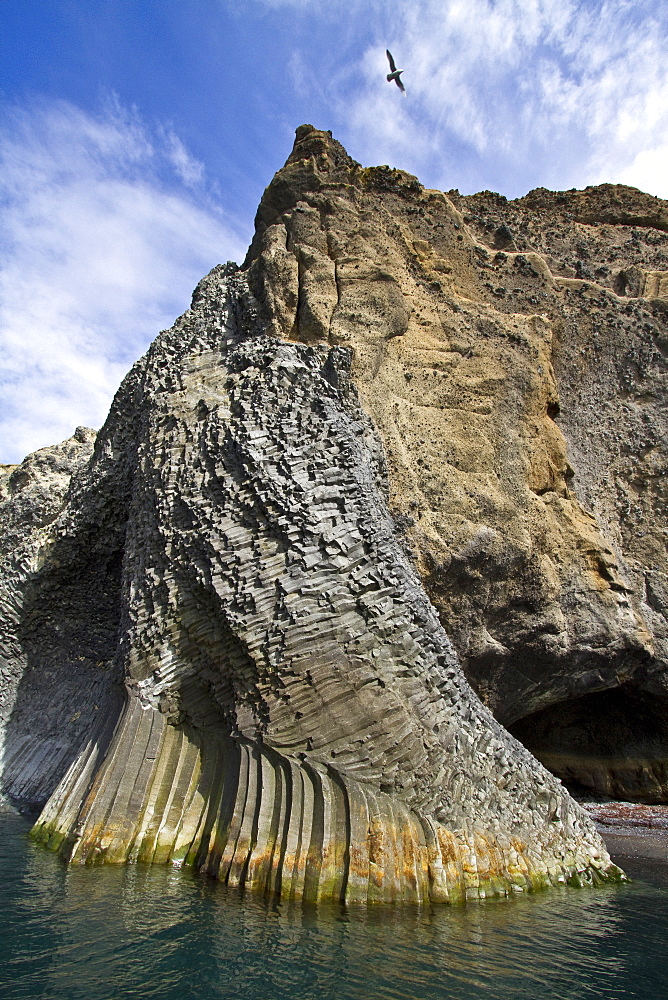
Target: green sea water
[{"x": 105, "y": 933}]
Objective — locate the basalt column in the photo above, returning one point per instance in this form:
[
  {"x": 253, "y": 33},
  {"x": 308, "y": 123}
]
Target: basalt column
[{"x": 296, "y": 719}]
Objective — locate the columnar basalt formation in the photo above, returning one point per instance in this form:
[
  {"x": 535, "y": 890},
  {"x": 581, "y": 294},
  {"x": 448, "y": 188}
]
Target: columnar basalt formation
[
  {"x": 296, "y": 718},
  {"x": 338, "y": 477}
]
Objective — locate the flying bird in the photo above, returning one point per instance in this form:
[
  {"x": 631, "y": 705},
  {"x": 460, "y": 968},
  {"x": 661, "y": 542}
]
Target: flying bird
[{"x": 396, "y": 73}]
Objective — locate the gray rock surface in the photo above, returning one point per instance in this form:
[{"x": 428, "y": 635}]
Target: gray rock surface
[
  {"x": 58, "y": 620},
  {"x": 296, "y": 718},
  {"x": 336, "y": 478}
]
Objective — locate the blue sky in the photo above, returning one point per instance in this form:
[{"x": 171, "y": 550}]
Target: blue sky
[{"x": 136, "y": 137}]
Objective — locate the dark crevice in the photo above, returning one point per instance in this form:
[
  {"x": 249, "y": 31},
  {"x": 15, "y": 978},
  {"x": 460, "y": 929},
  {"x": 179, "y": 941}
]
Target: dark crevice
[{"x": 612, "y": 743}]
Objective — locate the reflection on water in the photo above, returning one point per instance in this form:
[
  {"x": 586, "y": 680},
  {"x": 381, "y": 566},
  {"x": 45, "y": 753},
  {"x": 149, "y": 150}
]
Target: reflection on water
[{"x": 107, "y": 932}]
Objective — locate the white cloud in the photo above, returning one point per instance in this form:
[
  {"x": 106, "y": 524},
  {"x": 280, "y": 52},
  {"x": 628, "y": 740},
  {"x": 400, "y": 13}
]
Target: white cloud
[
  {"x": 107, "y": 224},
  {"x": 648, "y": 170},
  {"x": 106, "y": 229},
  {"x": 190, "y": 170},
  {"x": 555, "y": 92},
  {"x": 507, "y": 94}
]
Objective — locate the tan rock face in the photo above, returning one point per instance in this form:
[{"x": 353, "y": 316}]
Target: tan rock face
[
  {"x": 522, "y": 412},
  {"x": 342, "y": 474}
]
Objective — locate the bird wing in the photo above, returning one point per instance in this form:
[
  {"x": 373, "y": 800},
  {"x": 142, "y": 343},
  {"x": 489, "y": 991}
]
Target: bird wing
[
  {"x": 400, "y": 84},
  {"x": 389, "y": 56}
]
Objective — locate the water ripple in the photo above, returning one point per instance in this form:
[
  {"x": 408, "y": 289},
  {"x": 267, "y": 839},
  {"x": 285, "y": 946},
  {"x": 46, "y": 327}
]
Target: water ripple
[{"x": 82, "y": 933}]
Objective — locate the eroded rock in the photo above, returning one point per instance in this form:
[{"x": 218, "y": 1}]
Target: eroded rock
[
  {"x": 523, "y": 415},
  {"x": 347, "y": 469}
]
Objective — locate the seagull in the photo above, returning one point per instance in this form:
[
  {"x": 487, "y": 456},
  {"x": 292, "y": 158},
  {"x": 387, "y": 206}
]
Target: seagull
[{"x": 396, "y": 73}]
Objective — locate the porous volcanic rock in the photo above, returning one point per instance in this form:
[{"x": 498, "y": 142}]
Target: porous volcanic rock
[{"x": 340, "y": 475}]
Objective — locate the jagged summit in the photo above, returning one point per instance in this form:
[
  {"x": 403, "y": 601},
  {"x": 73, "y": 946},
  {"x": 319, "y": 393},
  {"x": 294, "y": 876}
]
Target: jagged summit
[{"x": 358, "y": 471}]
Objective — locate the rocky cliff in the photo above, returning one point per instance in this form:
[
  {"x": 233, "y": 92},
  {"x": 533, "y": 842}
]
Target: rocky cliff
[{"x": 414, "y": 439}]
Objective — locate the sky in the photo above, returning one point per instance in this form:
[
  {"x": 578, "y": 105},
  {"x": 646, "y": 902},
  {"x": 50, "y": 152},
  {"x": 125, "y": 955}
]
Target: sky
[{"x": 137, "y": 136}]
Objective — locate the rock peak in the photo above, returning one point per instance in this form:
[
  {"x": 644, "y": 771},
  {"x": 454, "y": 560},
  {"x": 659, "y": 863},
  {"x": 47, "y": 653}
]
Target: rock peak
[
  {"x": 395, "y": 484},
  {"x": 312, "y": 142}
]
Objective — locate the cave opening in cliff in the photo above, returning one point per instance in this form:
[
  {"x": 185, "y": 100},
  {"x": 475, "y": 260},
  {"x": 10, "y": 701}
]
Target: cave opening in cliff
[{"x": 610, "y": 743}]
